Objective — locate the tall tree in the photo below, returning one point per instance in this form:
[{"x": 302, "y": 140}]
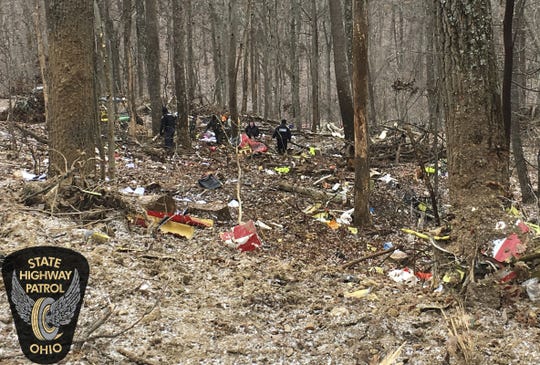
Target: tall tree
[
  {"x": 341, "y": 68},
  {"x": 72, "y": 115},
  {"x": 245, "y": 57},
  {"x": 190, "y": 67},
  {"x": 477, "y": 140},
  {"x": 127, "y": 13},
  {"x": 106, "y": 57},
  {"x": 254, "y": 67},
  {"x": 295, "y": 61},
  {"x": 140, "y": 44},
  {"x": 232, "y": 69},
  {"x": 183, "y": 136},
  {"x": 527, "y": 193},
  {"x": 314, "y": 68},
  {"x": 152, "y": 58},
  {"x": 360, "y": 94}
]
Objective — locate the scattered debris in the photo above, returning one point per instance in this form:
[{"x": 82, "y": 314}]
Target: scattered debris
[{"x": 242, "y": 237}]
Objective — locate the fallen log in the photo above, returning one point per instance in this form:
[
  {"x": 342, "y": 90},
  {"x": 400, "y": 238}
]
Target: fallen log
[{"x": 313, "y": 193}]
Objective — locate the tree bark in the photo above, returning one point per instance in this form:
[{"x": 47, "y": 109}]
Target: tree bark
[
  {"x": 130, "y": 66},
  {"x": 138, "y": 60},
  {"x": 108, "y": 70},
  {"x": 295, "y": 62},
  {"x": 182, "y": 137},
  {"x": 254, "y": 66},
  {"x": 432, "y": 91},
  {"x": 314, "y": 67},
  {"x": 190, "y": 66},
  {"x": 246, "y": 57},
  {"x": 477, "y": 140},
  {"x": 152, "y": 58},
  {"x": 72, "y": 99},
  {"x": 232, "y": 69},
  {"x": 508, "y": 100},
  {"x": 217, "y": 54},
  {"x": 362, "y": 216},
  {"x": 341, "y": 69}
]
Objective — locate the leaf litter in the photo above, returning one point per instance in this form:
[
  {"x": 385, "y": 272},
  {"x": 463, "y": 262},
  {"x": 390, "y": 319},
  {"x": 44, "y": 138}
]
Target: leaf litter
[{"x": 155, "y": 297}]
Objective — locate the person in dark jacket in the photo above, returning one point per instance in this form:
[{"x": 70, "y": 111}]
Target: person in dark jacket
[
  {"x": 217, "y": 128},
  {"x": 167, "y": 128},
  {"x": 282, "y": 134},
  {"x": 252, "y": 130}
]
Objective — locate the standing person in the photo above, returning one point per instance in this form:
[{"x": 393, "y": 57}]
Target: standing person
[
  {"x": 252, "y": 130},
  {"x": 167, "y": 128},
  {"x": 282, "y": 134}
]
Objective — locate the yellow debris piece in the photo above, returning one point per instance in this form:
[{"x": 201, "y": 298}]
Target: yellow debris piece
[
  {"x": 358, "y": 293},
  {"x": 180, "y": 229}
]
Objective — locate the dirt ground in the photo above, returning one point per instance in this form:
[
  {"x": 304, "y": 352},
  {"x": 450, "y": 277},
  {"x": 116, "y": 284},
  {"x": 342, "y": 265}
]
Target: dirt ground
[{"x": 158, "y": 298}]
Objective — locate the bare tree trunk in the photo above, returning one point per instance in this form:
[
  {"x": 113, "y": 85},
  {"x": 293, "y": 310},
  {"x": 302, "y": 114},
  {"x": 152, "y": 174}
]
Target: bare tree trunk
[
  {"x": 138, "y": 61},
  {"x": 267, "y": 80},
  {"x": 217, "y": 54},
  {"x": 190, "y": 66},
  {"x": 43, "y": 52},
  {"x": 246, "y": 57},
  {"x": 232, "y": 69},
  {"x": 477, "y": 140},
  {"x": 432, "y": 90},
  {"x": 362, "y": 216},
  {"x": 372, "y": 97},
  {"x": 341, "y": 69},
  {"x": 314, "y": 66},
  {"x": 527, "y": 193},
  {"x": 130, "y": 67},
  {"x": 329, "y": 102},
  {"x": 152, "y": 64},
  {"x": 520, "y": 57},
  {"x": 106, "y": 59},
  {"x": 72, "y": 100},
  {"x": 113, "y": 44},
  {"x": 183, "y": 138},
  {"x": 254, "y": 69},
  {"x": 295, "y": 62}
]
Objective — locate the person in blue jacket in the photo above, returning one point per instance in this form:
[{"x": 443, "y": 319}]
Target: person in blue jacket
[{"x": 282, "y": 134}]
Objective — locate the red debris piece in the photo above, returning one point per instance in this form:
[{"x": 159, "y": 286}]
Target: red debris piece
[
  {"x": 243, "y": 237},
  {"x": 256, "y": 147},
  {"x": 425, "y": 276},
  {"x": 511, "y": 247},
  {"x": 524, "y": 228},
  {"x": 180, "y": 218}
]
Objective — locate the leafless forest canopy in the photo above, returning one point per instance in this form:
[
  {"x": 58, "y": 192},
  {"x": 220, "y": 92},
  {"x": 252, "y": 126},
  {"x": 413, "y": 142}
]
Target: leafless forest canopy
[{"x": 271, "y": 36}]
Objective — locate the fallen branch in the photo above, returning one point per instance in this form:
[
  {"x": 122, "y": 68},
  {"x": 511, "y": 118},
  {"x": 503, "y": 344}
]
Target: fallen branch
[
  {"x": 315, "y": 194},
  {"x": 122, "y": 331},
  {"x": 373, "y": 255},
  {"x": 94, "y": 327},
  {"x": 145, "y": 255},
  {"x": 35, "y": 136}
]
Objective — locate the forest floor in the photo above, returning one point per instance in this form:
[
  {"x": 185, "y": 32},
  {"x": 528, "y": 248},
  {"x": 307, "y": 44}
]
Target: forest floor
[{"x": 159, "y": 298}]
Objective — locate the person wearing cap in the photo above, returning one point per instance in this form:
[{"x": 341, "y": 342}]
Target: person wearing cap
[
  {"x": 282, "y": 134},
  {"x": 167, "y": 128}
]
